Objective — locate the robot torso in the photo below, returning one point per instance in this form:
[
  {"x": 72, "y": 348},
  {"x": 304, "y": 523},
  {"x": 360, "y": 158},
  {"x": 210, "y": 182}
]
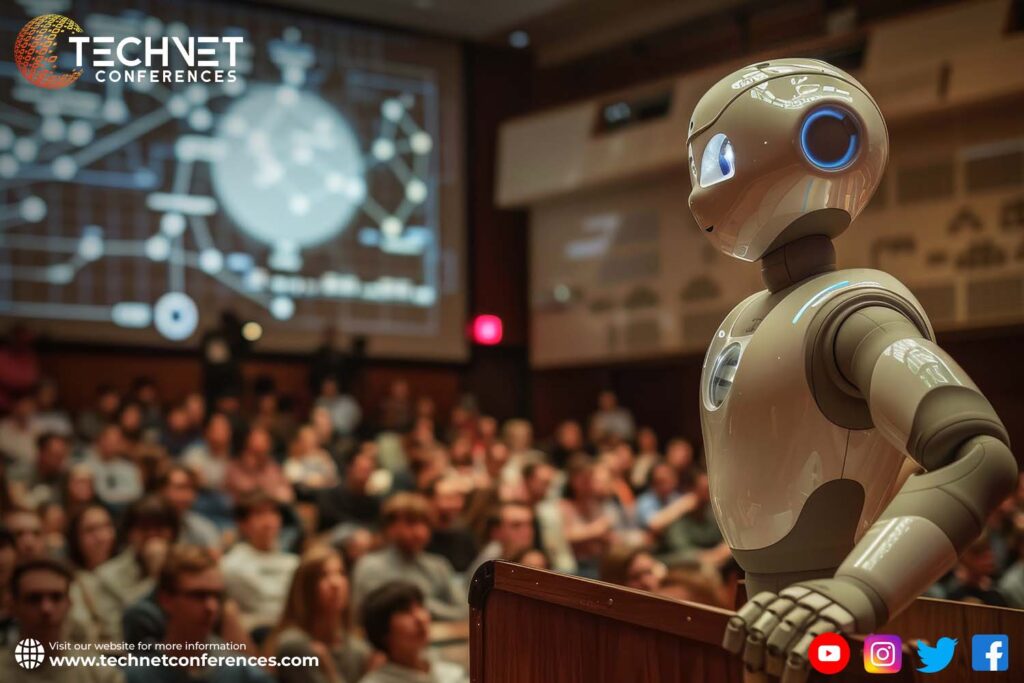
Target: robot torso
[{"x": 769, "y": 445}]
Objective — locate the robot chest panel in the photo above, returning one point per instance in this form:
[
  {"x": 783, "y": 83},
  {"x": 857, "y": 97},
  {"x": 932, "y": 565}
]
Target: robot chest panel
[{"x": 768, "y": 445}]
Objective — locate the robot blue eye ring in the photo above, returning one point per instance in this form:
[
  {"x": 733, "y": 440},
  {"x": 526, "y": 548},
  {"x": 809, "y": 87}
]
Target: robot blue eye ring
[{"x": 811, "y": 127}]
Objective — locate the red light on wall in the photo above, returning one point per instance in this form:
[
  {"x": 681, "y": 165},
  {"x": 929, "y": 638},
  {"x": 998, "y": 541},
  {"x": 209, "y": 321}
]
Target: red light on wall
[{"x": 487, "y": 330}]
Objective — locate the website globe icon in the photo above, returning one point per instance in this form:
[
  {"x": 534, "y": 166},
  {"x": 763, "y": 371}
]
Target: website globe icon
[{"x": 29, "y": 654}]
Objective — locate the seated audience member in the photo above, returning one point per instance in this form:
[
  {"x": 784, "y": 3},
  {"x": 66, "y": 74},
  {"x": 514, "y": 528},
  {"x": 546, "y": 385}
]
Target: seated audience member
[
  {"x": 396, "y": 410},
  {"x": 55, "y": 524},
  {"x": 548, "y": 530},
  {"x": 178, "y": 485},
  {"x": 344, "y": 411},
  {"x": 91, "y": 541},
  {"x": 647, "y": 456},
  {"x": 611, "y": 421},
  {"x": 591, "y": 519},
  {"x": 50, "y": 417},
  {"x": 532, "y": 557},
  {"x": 146, "y": 395},
  {"x": 91, "y": 422},
  {"x": 316, "y": 623},
  {"x": 210, "y": 456},
  {"x": 177, "y": 434},
  {"x": 150, "y": 527},
  {"x": 78, "y": 489},
  {"x": 40, "y": 604},
  {"x": 309, "y": 467},
  {"x": 568, "y": 442},
  {"x": 18, "y": 439},
  {"x": 397, "y": 623},
  {"x": 971, "y": 580},
  {"x": 255, "y": 470},
  {"x": 351, "y": 501},
  {"x": 451, "y": 538},
  {"x": 618, "y": 461},
  {"x": 279, "y": 423},
  {"x": 662, "y": 504},
  {"x": 117, "y": 480},
  {"x": 52, "y": 456},
  {"x": 633, "y": 567},
  {"x": 257, "y": 571},
  {"x": 679, "y": 456},
  {"x": 695, "y": 536},
  {"x": 26, "y": 526},
  {"x": 190, "y": 593},
  {"x": 131, "y": 421},
  {"x": 406, "y": 519},
  {"x": 511, "y": 533}
]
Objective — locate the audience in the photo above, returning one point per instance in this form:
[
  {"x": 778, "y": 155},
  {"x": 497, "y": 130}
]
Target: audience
[{"x": 286, "y": 525}]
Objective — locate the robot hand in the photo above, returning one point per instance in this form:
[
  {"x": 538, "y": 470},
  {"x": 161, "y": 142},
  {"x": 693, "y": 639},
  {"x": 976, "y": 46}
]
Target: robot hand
[{"x": 773, "y": 632}]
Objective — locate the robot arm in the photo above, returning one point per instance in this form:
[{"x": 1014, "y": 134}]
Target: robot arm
[{"x": 927, "y": 406}]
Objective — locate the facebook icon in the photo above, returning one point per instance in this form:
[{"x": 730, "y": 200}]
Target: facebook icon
[{"x": 990, "y": 653}]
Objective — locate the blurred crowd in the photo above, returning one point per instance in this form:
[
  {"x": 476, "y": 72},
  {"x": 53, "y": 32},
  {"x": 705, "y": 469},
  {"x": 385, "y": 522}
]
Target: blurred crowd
[{"x": 344, "y": 531}]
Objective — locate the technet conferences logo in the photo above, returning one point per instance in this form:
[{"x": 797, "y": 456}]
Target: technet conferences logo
[{"x": 128, "y": 59}]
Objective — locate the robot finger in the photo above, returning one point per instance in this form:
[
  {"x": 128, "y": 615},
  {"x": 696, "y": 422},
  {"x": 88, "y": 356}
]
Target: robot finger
[
  {"x": 783, "y": 637},
  {"x": 736, "y": 629},
  {"x": 760, "y": 630},
  {"x": 753, "y": 651}
]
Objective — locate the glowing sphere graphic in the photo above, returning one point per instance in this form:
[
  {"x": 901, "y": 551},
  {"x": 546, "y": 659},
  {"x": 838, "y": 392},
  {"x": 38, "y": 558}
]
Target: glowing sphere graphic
[
  {"x": 291, "y": 170},
  {"x": 35, "y": 51}
]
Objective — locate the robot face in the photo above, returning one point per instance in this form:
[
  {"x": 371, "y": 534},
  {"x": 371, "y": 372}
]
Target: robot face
[{"x": 774, "y": 143}]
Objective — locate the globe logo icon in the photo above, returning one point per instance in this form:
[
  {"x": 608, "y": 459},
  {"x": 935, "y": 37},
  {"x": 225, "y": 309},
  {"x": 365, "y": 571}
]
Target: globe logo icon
[
  {"x": 29, "y": 654},
  {"x": 35, "y": 51}
]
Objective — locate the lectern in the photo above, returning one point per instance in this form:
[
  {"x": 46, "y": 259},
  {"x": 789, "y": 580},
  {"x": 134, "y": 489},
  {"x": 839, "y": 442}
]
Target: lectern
[{"x": 534, "y": 626}]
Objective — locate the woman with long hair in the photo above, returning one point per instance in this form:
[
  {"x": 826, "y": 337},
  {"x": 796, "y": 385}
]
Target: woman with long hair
[
  {"x": 316, "y": 623},
  {"x": 91, "y": 540}
]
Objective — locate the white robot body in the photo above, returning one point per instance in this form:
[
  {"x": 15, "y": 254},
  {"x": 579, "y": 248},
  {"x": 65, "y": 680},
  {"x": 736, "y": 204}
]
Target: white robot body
[
  {"x": 768, "y": 444},
  {"x": 815, "y": 391}
]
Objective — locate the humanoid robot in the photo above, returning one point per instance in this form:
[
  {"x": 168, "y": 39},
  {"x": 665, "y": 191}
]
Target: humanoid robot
[{"x": 815, "y": 390}]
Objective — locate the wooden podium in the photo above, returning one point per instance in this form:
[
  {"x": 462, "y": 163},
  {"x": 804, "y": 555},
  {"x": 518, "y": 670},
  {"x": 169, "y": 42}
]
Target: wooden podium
[{"x": 534, "y": 626}]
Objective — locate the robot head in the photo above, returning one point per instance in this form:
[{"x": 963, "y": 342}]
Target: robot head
[{"x": 780, "y": 150}]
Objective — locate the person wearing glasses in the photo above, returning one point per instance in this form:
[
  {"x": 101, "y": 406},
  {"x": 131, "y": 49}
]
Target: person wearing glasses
[
  {"x": 191, "y": 594},
  {"x": 40, "y": 605}
]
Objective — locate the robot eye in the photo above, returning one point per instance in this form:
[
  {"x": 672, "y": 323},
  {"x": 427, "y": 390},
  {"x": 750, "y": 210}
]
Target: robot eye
[
  {"x": 718, "y": 162},
  {"x": 829, "y": 138}
]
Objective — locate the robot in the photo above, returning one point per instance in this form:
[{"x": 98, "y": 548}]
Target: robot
[{"x": 816, "y": 390}]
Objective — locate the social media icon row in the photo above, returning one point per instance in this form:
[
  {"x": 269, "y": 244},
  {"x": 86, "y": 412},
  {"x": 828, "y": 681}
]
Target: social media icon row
[{"x": 829, "y": 653}]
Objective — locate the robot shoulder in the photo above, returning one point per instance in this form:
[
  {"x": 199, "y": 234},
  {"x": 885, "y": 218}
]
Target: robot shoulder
[{"x": 837, "y": 398}]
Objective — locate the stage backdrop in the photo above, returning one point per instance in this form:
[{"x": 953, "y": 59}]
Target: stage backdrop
[{"x": 321, "y": 185}]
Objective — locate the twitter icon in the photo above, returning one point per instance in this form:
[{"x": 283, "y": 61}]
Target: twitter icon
[{"x": 938, "y": 657}]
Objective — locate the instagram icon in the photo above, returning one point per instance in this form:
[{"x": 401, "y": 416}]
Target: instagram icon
[{"x": 883, "y": 654}]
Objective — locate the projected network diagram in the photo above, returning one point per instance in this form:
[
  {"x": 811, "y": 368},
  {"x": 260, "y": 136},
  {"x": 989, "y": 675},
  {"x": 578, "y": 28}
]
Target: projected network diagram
[{"x": 262, "y": 187}]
